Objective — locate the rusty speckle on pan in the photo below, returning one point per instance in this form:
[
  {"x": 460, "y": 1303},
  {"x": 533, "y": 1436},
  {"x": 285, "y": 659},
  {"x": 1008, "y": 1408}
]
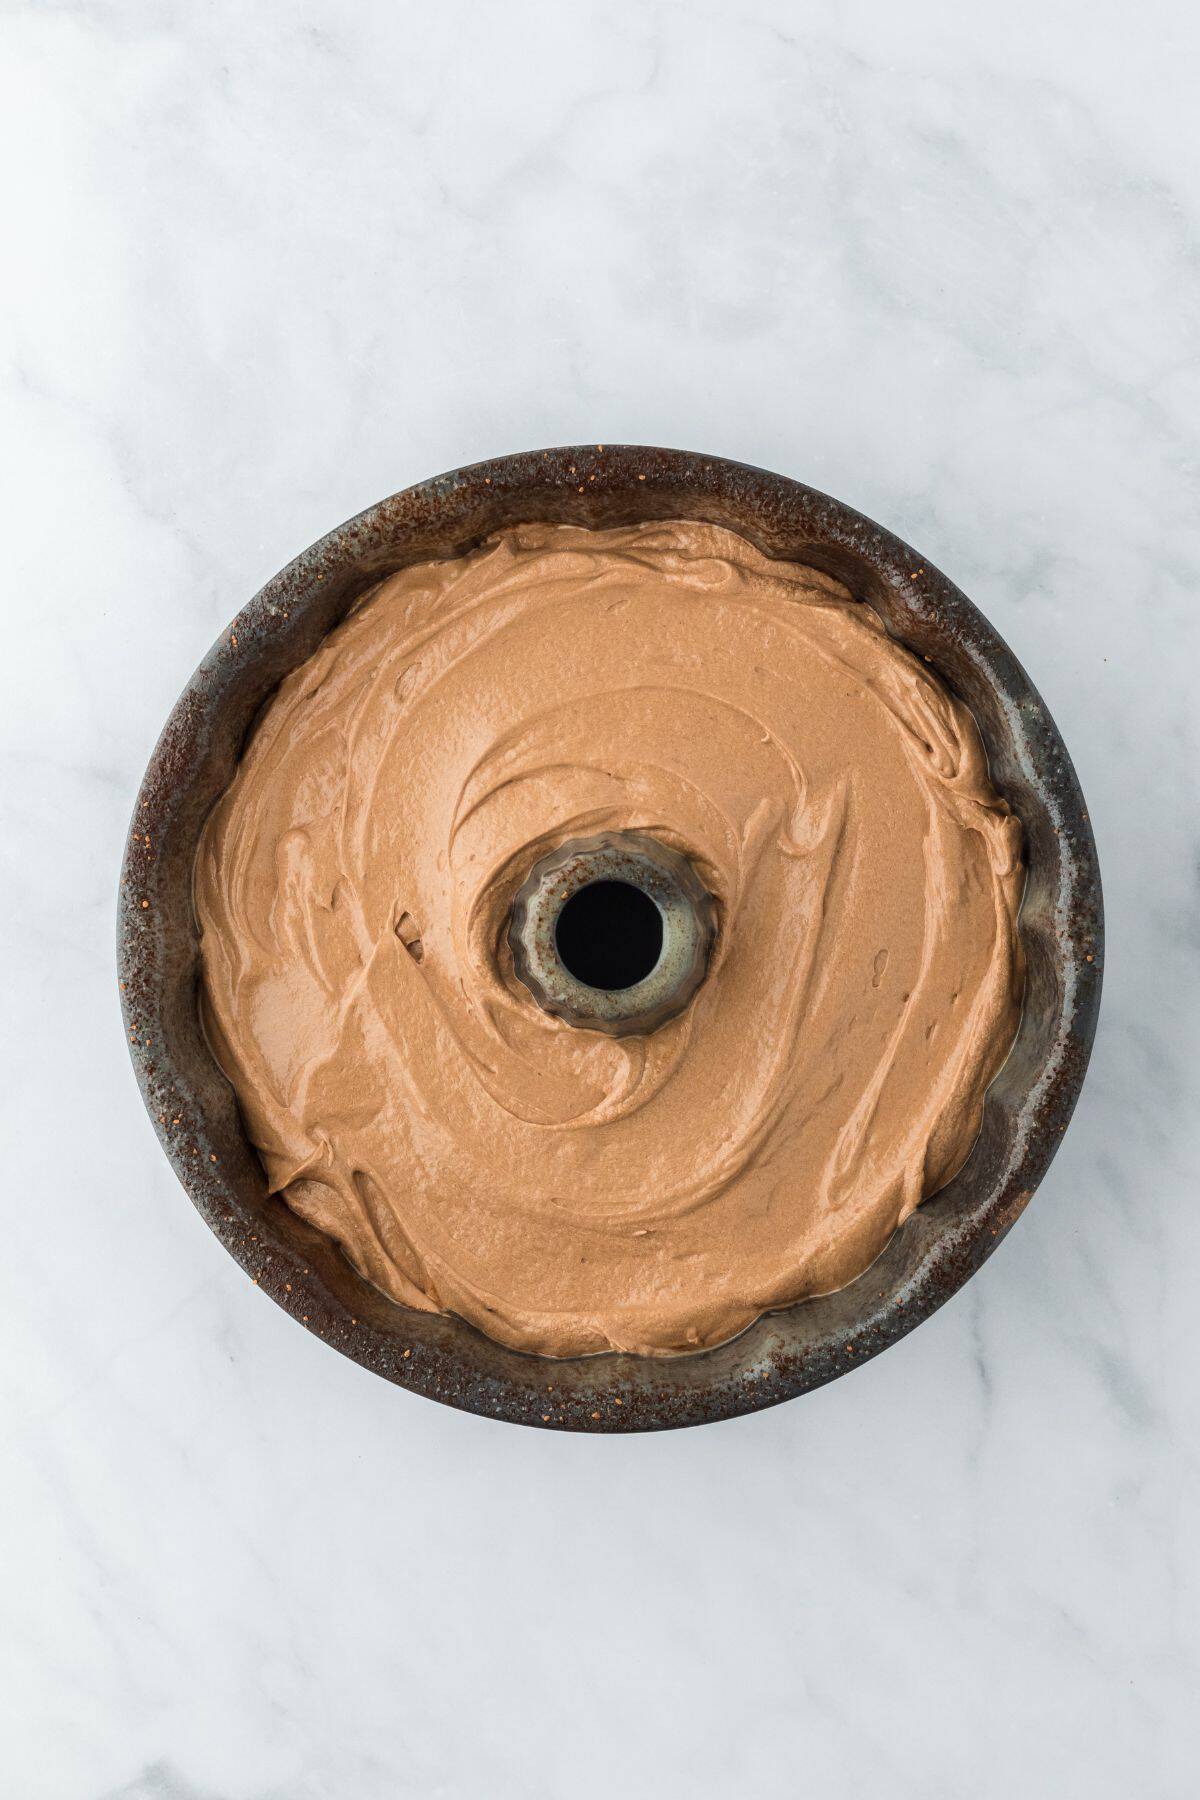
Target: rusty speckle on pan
[{"x": 785, "y": 1353}]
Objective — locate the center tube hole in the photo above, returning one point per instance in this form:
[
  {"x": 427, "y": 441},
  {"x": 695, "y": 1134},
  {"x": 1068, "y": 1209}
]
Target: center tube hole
[{"x": 609, "y": 935}]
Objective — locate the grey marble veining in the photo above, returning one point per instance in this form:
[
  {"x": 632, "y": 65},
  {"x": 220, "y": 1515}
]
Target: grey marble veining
[{"x": 267, "y": 264}]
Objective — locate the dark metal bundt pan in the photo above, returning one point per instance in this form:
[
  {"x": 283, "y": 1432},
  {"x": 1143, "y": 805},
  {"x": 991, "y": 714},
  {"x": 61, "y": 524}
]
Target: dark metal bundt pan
[{"x": 784, "y": 1353}]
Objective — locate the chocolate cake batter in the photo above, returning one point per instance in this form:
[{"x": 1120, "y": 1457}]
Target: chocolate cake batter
[{"x": 565, "y": 1190}]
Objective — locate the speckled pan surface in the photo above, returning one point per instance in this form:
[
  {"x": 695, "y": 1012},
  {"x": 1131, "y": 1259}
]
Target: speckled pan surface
[{"x": 784, "y": 1354}]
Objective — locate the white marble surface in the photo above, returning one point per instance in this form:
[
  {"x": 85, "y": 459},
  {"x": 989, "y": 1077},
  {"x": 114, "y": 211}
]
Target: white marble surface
[{"x": 267, "y": 263}]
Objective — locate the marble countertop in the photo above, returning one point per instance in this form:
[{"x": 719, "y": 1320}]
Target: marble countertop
[{"x": 267, "y": 264}]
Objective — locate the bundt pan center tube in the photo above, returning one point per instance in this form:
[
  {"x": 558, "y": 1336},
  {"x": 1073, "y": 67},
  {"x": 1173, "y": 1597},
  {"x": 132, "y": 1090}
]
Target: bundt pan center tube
[
  {"x": 645, "y": 978},
  {"x": 610, "y": 874}
]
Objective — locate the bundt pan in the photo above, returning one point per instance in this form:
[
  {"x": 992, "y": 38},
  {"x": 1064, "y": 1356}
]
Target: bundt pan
[{"x": 785, "y": 1353}]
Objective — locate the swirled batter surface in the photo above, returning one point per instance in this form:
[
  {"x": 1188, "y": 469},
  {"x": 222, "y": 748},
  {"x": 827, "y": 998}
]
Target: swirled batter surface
[{"x": 567, "y": 1191}]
